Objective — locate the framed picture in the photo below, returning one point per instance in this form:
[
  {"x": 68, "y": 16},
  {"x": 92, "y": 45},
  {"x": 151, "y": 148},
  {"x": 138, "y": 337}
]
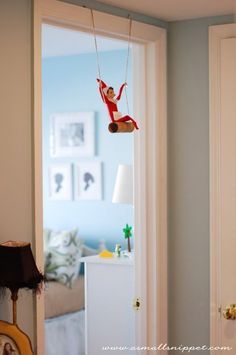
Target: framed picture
[
  {"x": 72, "y": 134},
  {"x": 13, "y": 340},
  {"x": 60, "y": 182},
  {"x": 89, "y": 181}
]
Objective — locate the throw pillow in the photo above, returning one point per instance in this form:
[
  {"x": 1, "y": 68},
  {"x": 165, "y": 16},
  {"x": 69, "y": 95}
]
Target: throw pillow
[{"x": 62, "y": 256}]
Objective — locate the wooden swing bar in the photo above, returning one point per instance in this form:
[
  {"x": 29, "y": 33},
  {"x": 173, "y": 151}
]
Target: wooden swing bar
[{"x": 121, "y": 127}]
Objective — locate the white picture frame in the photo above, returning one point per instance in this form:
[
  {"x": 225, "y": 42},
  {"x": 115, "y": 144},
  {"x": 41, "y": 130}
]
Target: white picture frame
[
  {"x": 72, "y": 134},
  {"x": 88, "y": 180},
  {"x": 60, "y": 182}
]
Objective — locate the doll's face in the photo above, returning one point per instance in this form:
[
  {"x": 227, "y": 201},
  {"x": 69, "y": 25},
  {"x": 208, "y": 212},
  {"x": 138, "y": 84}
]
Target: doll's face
[{"x": 110, "y": 93}]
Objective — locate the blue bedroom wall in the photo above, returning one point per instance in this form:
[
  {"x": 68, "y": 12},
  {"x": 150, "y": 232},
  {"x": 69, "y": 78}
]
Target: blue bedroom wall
[{"x": 69, "y": 85}]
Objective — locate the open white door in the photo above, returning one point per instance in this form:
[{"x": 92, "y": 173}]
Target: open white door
[
  {"x": 150, "y": 166},
  {"x": 223, "y": 187}
]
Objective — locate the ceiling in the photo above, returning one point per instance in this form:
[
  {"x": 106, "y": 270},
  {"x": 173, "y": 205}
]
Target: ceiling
[
  {"x": 61, "y": 41},
  {"x": 172, "y": 10},
  {"x": 57, "y": 41}
]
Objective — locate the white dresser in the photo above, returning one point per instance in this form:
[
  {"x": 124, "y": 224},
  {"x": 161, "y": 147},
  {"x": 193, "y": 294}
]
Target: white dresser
[{"x": 109, "y": 292}]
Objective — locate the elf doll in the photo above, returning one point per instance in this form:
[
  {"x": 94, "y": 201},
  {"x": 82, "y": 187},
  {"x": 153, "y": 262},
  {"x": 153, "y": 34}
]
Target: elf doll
[{"x": 108, "y": 97}]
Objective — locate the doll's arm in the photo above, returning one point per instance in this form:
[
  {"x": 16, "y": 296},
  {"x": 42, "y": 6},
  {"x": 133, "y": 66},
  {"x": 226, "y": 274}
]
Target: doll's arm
[
  {"x": 120, "y": 91},
  {"x": 102, "y": 86}
]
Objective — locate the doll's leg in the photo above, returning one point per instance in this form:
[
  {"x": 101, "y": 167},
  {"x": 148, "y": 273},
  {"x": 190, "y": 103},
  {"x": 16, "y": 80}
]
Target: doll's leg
[{"x": 126, "y": 119}]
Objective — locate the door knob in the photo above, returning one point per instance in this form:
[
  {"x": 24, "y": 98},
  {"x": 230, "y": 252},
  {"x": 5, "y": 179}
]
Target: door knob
[{"x": 230, "y": 312}]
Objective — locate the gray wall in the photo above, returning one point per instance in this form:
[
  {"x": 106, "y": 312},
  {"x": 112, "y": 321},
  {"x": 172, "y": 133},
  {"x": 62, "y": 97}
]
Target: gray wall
[
  {"x": 188, "y": 144},
  {"x": 16, "y": 138}
]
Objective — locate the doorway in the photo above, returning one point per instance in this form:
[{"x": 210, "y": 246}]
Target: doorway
[
  {"x": 222, "y": 52},
  {"x": 150, "y": 193},
  {"x": 81, "y": 159}
]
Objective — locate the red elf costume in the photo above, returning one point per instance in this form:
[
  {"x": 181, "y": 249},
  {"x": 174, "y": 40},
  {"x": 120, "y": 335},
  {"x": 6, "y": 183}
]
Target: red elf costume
[{"x": 111, "y": 103}]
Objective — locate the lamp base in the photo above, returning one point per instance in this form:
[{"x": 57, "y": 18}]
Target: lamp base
[{"x": 14, "y": 340}]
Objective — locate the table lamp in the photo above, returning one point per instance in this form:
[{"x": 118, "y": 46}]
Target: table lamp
[
  {"x": 17, "y": 270},
  {"x": 123, "y": 193},
  {"x": 123, "y": 190}
]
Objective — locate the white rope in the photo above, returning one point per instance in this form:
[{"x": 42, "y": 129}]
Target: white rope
[
  {"x": 128, "y": 51},
  {"x": 97, "y": 56},
  {"x": 127, "y": 59},
  {"x": 96, "y": 45},
  {"x": 127, "y": 63}
]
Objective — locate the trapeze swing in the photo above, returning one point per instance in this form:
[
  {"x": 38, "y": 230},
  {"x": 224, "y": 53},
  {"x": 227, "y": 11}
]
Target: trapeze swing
[{"x": 118, "y": 123}]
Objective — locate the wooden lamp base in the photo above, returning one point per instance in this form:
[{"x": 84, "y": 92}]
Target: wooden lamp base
[{"x": 13, "y": 340}]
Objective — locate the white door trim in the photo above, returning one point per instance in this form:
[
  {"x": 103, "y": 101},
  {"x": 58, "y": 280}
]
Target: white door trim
[
  {"x": 150, "y": 161},
  {"x": 216, "y": 34}
]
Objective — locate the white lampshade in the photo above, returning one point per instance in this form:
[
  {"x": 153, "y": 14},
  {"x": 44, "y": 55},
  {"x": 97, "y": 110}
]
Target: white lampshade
[{"x": 123, "y": 190}]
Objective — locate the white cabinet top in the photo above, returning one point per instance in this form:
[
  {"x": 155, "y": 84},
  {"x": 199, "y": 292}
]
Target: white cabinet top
[{"x": 96, "y": 259}]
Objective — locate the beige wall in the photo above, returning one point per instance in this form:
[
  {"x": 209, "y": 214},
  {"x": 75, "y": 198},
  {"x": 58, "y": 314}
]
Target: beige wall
[{"x": 16, "y": 137}]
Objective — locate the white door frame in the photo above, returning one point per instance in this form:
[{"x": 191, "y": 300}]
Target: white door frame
[
  {"x": 216, "y": 34},
  {"x": 150, "y": 160}
]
